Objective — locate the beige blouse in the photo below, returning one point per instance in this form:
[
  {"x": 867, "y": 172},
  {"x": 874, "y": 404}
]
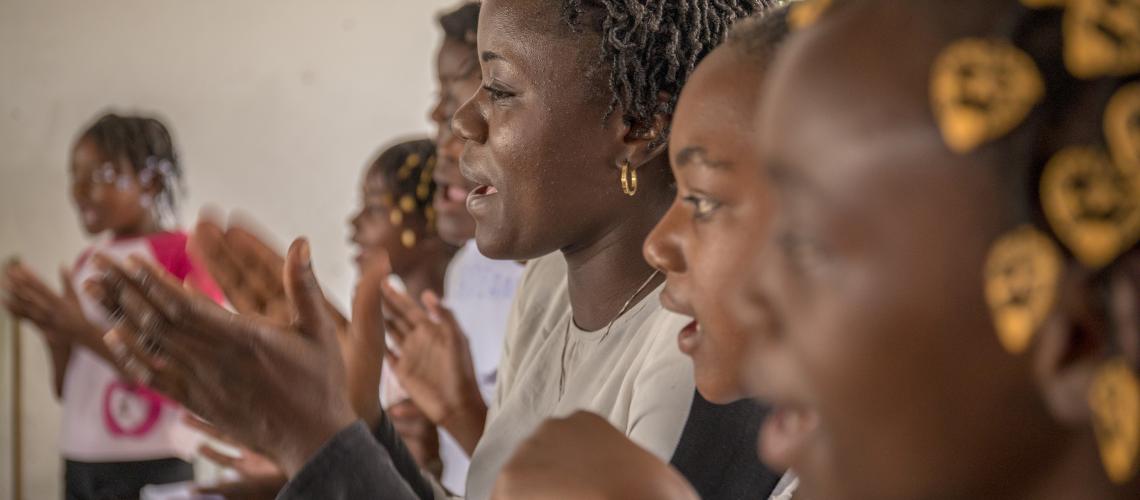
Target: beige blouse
[{"x": 635, "y": 377}]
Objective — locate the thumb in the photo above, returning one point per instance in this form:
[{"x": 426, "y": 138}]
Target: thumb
[
  {"x": 305, "y": 294},
  {"x": 368, "y": 310}
]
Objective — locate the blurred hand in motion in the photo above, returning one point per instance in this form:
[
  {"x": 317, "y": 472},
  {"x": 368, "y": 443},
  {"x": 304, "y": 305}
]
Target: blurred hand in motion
[
  {"x": 419, "y": 434},
  {"x": 584, "y": 457},
  {"x": 433, "y": 362},
  {"x": 258, "y": 477},
  {"x": 280, "y": 390},
  {"x": 249, "y": 272},
  {"x": 58, "y": 316}
]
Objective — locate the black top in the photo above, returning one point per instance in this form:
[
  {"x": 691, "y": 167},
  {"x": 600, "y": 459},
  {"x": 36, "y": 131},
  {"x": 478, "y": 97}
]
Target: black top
[{"x": 717, "y": 452}]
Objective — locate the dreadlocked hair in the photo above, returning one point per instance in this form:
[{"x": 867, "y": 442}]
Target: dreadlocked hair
[
  {"x": 652, "y": 46},
  {"x": 407, "y": 168},
  {"x": 759, "y": 36},
  {"x": 145, "y": 144}
]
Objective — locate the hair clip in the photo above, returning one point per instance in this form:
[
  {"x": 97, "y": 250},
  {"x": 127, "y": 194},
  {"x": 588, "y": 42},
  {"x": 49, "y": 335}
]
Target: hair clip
[
  {"x": 982, "y": 89},
  {"x": 1102, "y": 37},
  {"x": 1022, "y": 270},
  {"x": 1122, "y": 127},
  {"x": 1091, "y": 204},
  {"x": 1114, "y": 399},
  {"x": 804, "y": 13}
]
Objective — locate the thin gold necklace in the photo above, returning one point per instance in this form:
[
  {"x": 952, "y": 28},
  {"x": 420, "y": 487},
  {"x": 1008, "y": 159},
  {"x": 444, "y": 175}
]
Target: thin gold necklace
[{"x": 566, "y": 333}]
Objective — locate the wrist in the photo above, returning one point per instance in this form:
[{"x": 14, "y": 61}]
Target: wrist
[
  {"x": 465, "y": 423},
  {"x": 293, "y": 456}
]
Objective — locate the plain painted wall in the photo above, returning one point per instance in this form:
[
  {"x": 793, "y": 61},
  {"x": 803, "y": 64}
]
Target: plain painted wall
[{"x": 276, "y": 106}]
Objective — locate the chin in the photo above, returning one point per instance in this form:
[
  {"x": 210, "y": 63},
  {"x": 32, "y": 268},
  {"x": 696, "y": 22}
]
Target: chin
[
  {"x": 452, "y": 234},
  {"x": 717, "y": 393}
]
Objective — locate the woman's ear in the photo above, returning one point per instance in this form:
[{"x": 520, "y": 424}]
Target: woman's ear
[{"x": 648, "y": 139}]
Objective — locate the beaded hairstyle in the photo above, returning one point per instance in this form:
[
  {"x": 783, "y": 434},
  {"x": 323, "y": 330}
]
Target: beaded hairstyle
[
  {"x": 144, "y": 145},
  {"x": 407, "y": 172},
  {"x": 1048, "y": 92}
]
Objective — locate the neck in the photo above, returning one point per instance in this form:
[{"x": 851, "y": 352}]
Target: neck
[
  {"x": 427, "y": 274},
  {"x": 604, "y": 274},
  {"x": 147, "y": 226}
]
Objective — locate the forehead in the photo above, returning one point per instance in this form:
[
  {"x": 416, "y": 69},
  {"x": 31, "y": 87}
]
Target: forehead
[
  {"x": 455, "y": 60},
  {"x": 836, "y": 91},
  {"x": 719, "y": 103},
  {"x": 531, "y": 34}
]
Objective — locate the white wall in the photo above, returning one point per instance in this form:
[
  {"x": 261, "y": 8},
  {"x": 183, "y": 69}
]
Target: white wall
[{"x": 275, "y": 105}]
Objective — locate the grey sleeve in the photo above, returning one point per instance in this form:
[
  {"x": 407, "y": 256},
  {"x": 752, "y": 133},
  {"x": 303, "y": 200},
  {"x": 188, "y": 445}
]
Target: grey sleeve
[{"x": 351, "y": 465}]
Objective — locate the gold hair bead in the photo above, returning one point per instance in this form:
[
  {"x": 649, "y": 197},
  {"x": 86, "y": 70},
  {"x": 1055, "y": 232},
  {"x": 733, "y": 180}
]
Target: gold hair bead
[
  {"x": 395, "y": 217},
  {"x": 1022, "y": 271},
  {"x": 408, "y": 203},
  {"x": 981, "y": 89},
  {"x": 408, "y": 238}
]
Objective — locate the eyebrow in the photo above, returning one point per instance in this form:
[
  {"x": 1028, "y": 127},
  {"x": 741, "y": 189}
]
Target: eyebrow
[{"x": 697, "y": 155}]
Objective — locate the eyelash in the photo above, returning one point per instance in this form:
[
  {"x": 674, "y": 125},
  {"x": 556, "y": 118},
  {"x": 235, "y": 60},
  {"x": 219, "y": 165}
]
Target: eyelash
[
  {"x": 703, "y": 208},
  {"x": 496, "y": 94}
]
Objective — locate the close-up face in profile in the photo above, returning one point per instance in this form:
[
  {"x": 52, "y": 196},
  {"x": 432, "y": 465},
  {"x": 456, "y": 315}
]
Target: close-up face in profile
[
  {"x": 712, "y": 234},
  {"x": 457, "y": 69},
  {"x": 543, "y": 160},
  {"x": 886, "y": 375},
  {"x": 378, "y": 226},
  {"x": 107, "y": 193}
]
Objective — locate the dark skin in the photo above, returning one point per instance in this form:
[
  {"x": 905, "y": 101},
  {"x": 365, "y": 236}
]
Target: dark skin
[
  {"x": 709, "y": 236},
  {"x": 548, "y": 167},
  {"x": 708, "y": 239},
  {"x": 457, "y": 70},
  {"x": 421, "y": 267},
  {"x": 887, "y": 375},
  {"x": 109, "y": 198},
  {"x": 295, "y": 393}
]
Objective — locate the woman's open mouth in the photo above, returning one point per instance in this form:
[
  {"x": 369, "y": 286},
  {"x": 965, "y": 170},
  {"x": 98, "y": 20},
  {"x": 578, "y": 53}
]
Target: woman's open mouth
[
  {"x": 479, "y": 198},
  {"x": 689, "y": 338}
]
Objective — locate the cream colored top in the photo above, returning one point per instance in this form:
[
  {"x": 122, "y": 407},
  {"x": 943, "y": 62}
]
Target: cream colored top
[{"x": 635, "y": 377}]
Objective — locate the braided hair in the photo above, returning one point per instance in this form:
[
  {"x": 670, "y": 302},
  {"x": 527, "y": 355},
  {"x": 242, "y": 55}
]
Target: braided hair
[
  {"x": 651, "y": 47},
  {"x": 406, "y": 169},
  {"x": 145, "y": 145}
]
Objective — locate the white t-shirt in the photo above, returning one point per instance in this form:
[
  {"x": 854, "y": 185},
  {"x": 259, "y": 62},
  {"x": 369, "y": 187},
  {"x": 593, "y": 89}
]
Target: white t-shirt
[
  {"x": 635, "y": 377},
  {"x": 479, "y": 291},
  {"x": 106, "y": 419}
]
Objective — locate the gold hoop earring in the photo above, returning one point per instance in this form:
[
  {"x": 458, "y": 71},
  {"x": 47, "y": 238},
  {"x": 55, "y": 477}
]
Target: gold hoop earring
[
  {"x": 408, "y": 238},
  {"x": 628, "y": 179}
]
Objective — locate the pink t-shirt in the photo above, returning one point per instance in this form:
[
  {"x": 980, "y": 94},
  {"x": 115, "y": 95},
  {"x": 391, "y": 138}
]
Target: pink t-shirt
[{"x": 106, "y": 419}]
